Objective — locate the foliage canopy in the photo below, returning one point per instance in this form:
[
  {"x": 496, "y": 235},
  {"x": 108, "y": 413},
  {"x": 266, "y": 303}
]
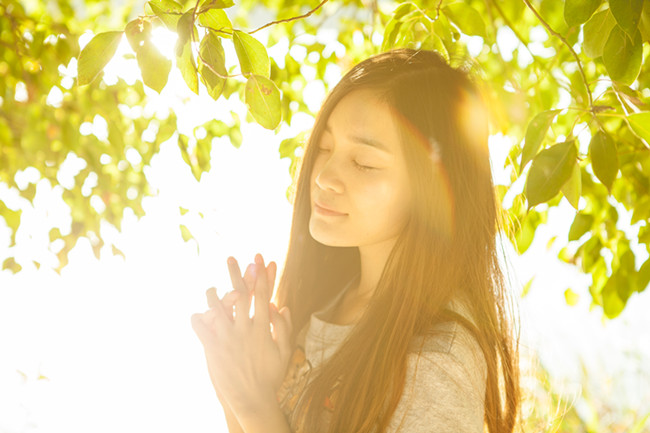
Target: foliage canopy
[{"x": 566, "y": 82}]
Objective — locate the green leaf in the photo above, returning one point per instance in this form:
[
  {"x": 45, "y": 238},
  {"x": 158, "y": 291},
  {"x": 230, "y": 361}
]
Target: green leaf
[
  {"x": 212, "y": 58},
  {"x": 137, "y": 33},
  {"x": 525, "y": 235},
  {"x": 572, "y": 188},
  {"x": 185, "y": 232},
  {"x": 627, "y": 14},
  {"x": 288, "y": 146},
  {"x": 154, "y": 66},
  {"x": 612, "y": 302},
  {"x": 117, "y": 252},
  {"x": 184, "y": 56},
  {"x": 252, "y": 55},
  {"x": 55, "y": 233},
  {"x": 167, "y": 5},
  {"x": 639, "y": 424},
  {"x": 590, "y": 253},
  {"x": 466, "y": 17},
  {"x": 403, "y": 9},
  {"x": 10, "y": 263},
  {"x": 622, "y": 55},
  {"x": 571, "y": 297},
  {"x": 640, "y": 123},
  {"x": 202, "y": 151},
  {"x": 644, "y": 24},
  {"x": 182, "y": 145},
  {"x": 170, "y": 20},
  {"x": 549, "y": 171},
  {"x": 604, "y": 158},
  {"x": 390, "y": 34},
  {"x": 596, "y": 31},
  {"x": 11, "y": 217},
  {"x": 263, "y": 99},
  {"x": 215, "y": 4},
  {"x": 215, "y": 19},
  {"x": 526, "y": 289},
  {"x": 535, "y": 134},
  {"x": 579, "y": 11},
  {"x": 643, "y": 276},
  {"x": 434, "y": 43},
  {"x": 641, "y": 212},
  {"x": 95, "y": 55},
  {"x": 581, "y": 224}
]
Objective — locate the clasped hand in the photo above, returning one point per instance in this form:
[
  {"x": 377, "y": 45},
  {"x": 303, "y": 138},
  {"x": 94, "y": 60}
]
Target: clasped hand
[{"x": 246, "y": 361}]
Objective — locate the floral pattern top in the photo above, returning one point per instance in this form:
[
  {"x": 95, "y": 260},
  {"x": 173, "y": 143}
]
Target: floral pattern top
[{"x": 444, "y": 390}]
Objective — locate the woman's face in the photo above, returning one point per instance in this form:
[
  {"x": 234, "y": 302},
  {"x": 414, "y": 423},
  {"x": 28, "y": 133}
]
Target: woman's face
[{"x": 359, "y": 172}]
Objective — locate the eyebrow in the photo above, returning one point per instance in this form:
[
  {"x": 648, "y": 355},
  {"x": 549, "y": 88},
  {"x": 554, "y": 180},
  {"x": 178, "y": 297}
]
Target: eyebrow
[{"x": 364, "y": 140}]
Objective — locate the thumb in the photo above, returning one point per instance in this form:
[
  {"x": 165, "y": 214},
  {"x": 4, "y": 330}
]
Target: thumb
[
  {"x": 281, "y": 330},
  {"x": 284, "y": 311},
  {"x": 200, "y": 328}
]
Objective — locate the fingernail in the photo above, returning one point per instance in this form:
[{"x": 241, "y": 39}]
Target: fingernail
[{"x": 252, "y": 268}]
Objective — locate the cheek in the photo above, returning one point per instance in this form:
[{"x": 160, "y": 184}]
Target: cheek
[{"x": 386, "y": 197}]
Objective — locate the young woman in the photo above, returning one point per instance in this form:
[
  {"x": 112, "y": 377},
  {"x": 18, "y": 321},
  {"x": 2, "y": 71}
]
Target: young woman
[{"x": 394, "y": 309}]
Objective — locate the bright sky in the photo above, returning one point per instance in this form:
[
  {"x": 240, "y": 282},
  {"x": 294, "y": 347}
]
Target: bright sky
[{"x": 108, "y": 345}]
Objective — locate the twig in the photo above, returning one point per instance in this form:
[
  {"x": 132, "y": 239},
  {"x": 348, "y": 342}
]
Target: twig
[
  {"x": 559, "y": 36},
  {"x": 374, "y": 11},
  {"x": 196, "y": 6},
  {"x": 514, "y": 30},
  {"x": 438, "y": 10},
  {"x": 290, "y": 19},
  {"x": 214, "y": 71}
]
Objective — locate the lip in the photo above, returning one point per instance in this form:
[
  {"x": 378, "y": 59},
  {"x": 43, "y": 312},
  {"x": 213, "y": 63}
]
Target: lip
[{"x": 325, "y": 211}]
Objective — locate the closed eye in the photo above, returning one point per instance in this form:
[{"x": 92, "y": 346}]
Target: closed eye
[
  {"x": 356, "y": 164},
  {"x": 363, "y": 167}
]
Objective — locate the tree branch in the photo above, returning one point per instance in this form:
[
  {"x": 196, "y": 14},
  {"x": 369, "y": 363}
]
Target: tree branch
[
  {"x": 290, "y": 19},
  {"x": 514, "y": 30},
  {"x": 438, "y": 10},
  {"x": 559, "y": 36}
]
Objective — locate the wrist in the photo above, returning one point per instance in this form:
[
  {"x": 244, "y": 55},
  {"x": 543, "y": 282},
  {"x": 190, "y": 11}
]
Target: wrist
[
  {"x": 263, "y": 415},
  {"x": 261, "y": 404}
]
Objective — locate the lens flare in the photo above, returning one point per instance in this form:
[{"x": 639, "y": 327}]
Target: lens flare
[{"x": 442, "y": 200}]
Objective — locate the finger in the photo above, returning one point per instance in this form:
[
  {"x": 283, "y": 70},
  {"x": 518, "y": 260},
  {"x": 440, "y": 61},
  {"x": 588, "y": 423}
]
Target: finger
[
  {"x": 217, "y": 319},
  {"x": 200, "y": 328},
  {"x": 249, "y": 277},
  {"x": 261, "y": 320},
  {"x": 284, "y": 311},
  {"x": 243, "y": 304},
  {"x": 211, "y": 295},
  {"x": 271, "y": 272},
  {"x": 228, "y": 301},
  {"x": 275, "y": 318},
  {"x": 281, "y": 331}
]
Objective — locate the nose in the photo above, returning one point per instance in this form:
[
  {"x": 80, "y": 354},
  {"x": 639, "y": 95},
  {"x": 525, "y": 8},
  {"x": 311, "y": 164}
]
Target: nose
[{"x": 326, "y": 172}]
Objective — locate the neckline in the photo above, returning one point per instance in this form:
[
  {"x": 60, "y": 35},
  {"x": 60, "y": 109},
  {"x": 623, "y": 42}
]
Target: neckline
[{"x": 317, "y": 315}]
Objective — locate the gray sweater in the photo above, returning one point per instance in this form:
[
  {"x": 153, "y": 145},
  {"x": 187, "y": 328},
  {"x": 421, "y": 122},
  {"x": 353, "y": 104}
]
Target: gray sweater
[{"x": 445, "y": 385}]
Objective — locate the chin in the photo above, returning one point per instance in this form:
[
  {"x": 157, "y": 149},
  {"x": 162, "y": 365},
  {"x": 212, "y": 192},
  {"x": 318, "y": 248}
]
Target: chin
[{"x": 327, "y": 237}]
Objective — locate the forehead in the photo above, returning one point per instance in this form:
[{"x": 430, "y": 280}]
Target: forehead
[{"x": 362, "y": 113}]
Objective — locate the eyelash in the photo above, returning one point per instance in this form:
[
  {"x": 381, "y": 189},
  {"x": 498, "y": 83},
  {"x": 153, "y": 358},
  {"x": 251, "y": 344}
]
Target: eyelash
[{"x": 356, "y": 164}]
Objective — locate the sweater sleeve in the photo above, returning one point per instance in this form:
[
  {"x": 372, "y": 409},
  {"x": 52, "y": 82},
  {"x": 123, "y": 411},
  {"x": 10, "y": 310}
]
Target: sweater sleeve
[{"x": 445, "y": 388}]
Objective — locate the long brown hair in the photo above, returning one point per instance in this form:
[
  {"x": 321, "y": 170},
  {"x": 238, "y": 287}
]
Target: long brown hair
[{"x": 447, "y": 250}]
